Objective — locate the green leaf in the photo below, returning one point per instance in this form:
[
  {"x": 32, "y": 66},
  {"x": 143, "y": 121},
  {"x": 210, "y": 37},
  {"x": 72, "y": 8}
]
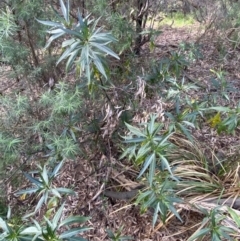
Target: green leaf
[
  {"x": 27, "y": 191},
  {"x": 174, "y": 211},
  {"x": 55, "y": 31},
  {"x": 99, "y": 66},
  {"x": 225, "y": 234},
  {"x": 152, "y": 170},
  {"x": 165, "y": 138},
  {"x": 123, "y": 238},
  {"x": 9, "y": 212},
  {"x": 110, "y": 233},
  {"x": 130, "y": 150},
  {"x": 73, "y": 231},
  {"x": 58, "y": 214},
  {"x": 71, "y": 58},
  {"x": 143, "y": 195},
  {"x": 147, "y": 162},
  {"x": 142, "y": 152},
  {"x": 72, "y": 32},
  {"x": 150, "y": 201},
  {"x": 136, "y": 131},
  {"x": 65, "y": 190},
  {"x": 80, "y": 19},
  {"x": 36, "y": 224},
  {"x": 105, "y": 49},
  {"x": 68, "y": 42},
  {"x": 151, "y": 123},
  {"x": 55, "y": 36},
  {"x": 73, "y": 135},
  {"x": 39, "y": 204},
  {"x": 185, "y": 131},
  {"x": 219, "y": 108},
  {"x": 156, "y": 129},
  {"x": 200, "y": 233},
  {"x": 64, "y": 10},
  {"x": 74, "y": 219},
  {"x": 215, "y": 236},
  {"x": 3, "y": 225},
  {"x": 50, "y": 23},
  {"x": 134, "y": 140},
  {"x": 155, "y": 215},
  {"x": 189, "y": 124},
  {"x": 67, "y": 52},
  {"x": 51, "y": 227},
  {"x": 55, "y": 193},
  {"x": 234, "y": 216},
  {"x": 31, "y": 230},
  {"x": 56, "y": 169},
  {"x": 33, "y": 180},
  {"x": 44, "y": 175},
  {"x": 165, "y": 164}
]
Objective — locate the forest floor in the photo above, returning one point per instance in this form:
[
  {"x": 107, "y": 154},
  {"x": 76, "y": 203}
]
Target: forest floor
[
  {"x": 90, "y": 177},
  {"x": 107, "y": 213}
]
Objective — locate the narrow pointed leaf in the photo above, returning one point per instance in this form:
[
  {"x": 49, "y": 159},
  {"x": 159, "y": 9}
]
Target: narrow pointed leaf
[
  {"x": 152, "y": 170},
  {"x": 136, "y": 131},
  {"x": 100, "y": 67},
  {"x": 55, "y": 31},
  {"x": 39, "y": 204},
  {"x": 55, "y": 36},
  {"x": 68, "y": 42},
  {"x": 31, "y": 230},
  {"x": 33, "y": 180},
  {"x": 234, "y": 216},
  {"x": 58, "y": 214},
  {"x": 71, "y": 59},
  {"x": 71, "y": 32},
  {"x": 219, "y": 108},
  {"x": 73, "y": 232},
  {"x": 50, "y": 23},
  {"x": 27, "y": 191},
  {"x": 105, "y": 50},
  {"x": 65, "y": 190},
  {"x": 174, "y": 211},
  {"x": 148, "y": 161},
  {"x": 56, "y": 169},
  {"x": 165, "y": 138},
  {"x": 80, "y": 19},
  {"x": 74, "y": 219},
  {"x": 44, "y": 175},
  {"x": 56, "y": 193},
  {"x": 200, "y": 233},
  {"x": 3, "y": 225},
  {"x": 64, "y": 10},
  {"x": 165, "y": 164}
]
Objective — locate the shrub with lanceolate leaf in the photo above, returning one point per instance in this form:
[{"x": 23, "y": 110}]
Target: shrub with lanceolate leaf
[
  {"x": 48, "y": 230},
  {"x": 44, "y": 187},
  {"x": 87, "y": 48}
]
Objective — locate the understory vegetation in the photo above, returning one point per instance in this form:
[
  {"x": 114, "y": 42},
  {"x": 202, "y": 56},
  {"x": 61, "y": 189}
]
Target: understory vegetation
[{"x": 95, "y": 86}]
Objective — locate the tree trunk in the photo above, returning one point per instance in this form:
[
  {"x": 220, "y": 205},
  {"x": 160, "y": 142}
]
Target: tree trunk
[{"x": 142, "y": 12}]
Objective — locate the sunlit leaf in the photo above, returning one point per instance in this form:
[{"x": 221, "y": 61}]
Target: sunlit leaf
[{"x": 215, "y": 120}]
